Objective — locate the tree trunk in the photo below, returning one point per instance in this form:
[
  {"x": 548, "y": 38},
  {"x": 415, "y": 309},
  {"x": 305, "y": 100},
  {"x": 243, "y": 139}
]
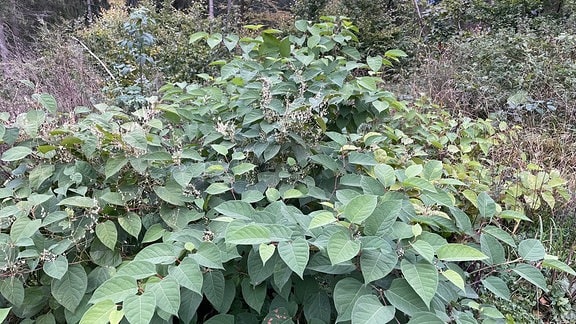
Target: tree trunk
[
  {"x": 211, "y": 9},
  {"x": 4, "y": 51}
]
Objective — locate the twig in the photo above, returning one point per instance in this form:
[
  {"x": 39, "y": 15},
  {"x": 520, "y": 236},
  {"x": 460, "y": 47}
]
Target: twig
[{"x": 97, "y": 59}]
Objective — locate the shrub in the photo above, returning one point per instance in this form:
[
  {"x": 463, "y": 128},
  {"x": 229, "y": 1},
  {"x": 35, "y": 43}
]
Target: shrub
[{"x": 286, "y": 189}]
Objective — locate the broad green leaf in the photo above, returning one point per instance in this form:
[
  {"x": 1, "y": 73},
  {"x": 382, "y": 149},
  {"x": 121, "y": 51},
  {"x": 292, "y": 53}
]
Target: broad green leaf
[
  {"x": 321, "y": 218},
  {"x": 153, "y": 233},
  {"x": 414, "y": 170},
  {"x": 197, "y": 36},
  {"x": 99, "y": 312},
  {"x": 490, "y": 312},
  {"x": 292, "y": 193},
  {"x": 272, "y": 194},
  {"x": 23, "y": 228},
  {"x": 40, "y": 174},
  {"x": 13, "y": 290},
  {"x": 248, "y": 235},
  {"x": 16, "y": 153},
  {"x": 385, "y": 174},
  {"x": 254, "y": 296},
  {"x": 369, "y": 310},
  {"x": 131, "y": 223},
  {"x": 242, "y": 168},
  {"x": 136, "y": 137},
  {"x": 459, "y": 252},
  {"x": 295, "y": 254},
  {"x": 360, "y": 208},
  {"x": 217, "y": 188},
  {"x": 4, "y": 313},
  {"x": 167, "y": 293},
  {"x": 374, "y": 62},
  {"x": 422, "y": 277},
  {"x": 346, "y": 292},
  {"x": 188, "y": 275},
  {"x": 377, "y": 263},
  {"x": 486, "y": 205},
  {"x": 493, "y": 249},
  {"x": 236, "y": 209},
  {"x": 107, "y": 234},
  {"x": 557, "y": 265},
  {"x": 266, "y": 251},
  {"x": 383, "y": 218},
  {"x": 116, "y": 316},
  {"x": 404, "y": 298},
  {"x": 208, "y": 255},
  {"x": 47, "y": 101},
  {"x": 433, "y": 170},
  {"x": 223, "y": 319},
  {"x": 114, "y": 165},
  {"x": 455, "y": 278},
  {"x": 500, "y": 234},
  {"x": 425, "y": 318},
  {"x": 380, "y": 105},
  {"x": 531, "y": 250},
  {"x": 157, "y": 253},
  {"x": 115, "y": 289},
  {"x": 169, "y": 195},
  {"x": 214, "y": 39},
  {"x": 342, "y": 248},
  {"x": 512, "y": 214},
  {"x": 213, "y": 287},
  {"x": 139, "y": 309},
  {"x": 497, "y": 286},
  {"x": 57, "y": 267},
  {"x": 137, "y": 269},
  {"x": 532, "y": 274},
  {"x": 78, "y": 201},
  {"x": 419, "y": 183},
  {"x": 425, "y": 250}
]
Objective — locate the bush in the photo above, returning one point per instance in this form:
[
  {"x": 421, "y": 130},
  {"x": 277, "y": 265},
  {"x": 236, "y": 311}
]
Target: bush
[{"x": 286, "y": 189}]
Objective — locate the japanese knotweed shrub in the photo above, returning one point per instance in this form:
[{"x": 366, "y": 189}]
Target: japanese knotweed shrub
[{"x": 275, "y": 192}]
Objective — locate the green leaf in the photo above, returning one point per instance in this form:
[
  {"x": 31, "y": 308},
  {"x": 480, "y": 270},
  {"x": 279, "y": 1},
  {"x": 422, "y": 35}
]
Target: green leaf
[
  {"x": 374, "y": 62},
  {"x": 223, "y": 319},
  {"x": 137, "y": 269},
  {"x": 425, "y": 318},
  {"x": 243, "y": 168},
  {"x": 99, "y": 312},
  {"x": 493, "y": 249},
  {"x": 139, "y": 309},
  {"x": 115, "y": 289},
  {"x": 188, "y": 275},
  {"x": 213, "y": 287},
  {"x": 532, "y": 274},
  {"x": 385, "y": 174},
  {"x": 425, "y": 250},
  {"x": 248, "y": 235},
  {"x": 153, "y": 233},
  {"x": 455, "y": 278},
  {"x": 107, "y": 234},
  {"x": 377, "y": 263},
  {"x": 208, "y": 255},
  {"x": 419, "y": 183},
  {"x": 500, "y": 234},
  {"x": 254, "y": 296},
  {"x": 321, "y": 218},
  {"x": 459, "y": 252},
  {"x": 422, "y": 277},
  {"x": 16, "y": 153},
  {"x": 24, "y": 228},
  {"x": 346, "y": 292},
  {"x": 486, "y": 205},
  {"x": 557, "y": 265},
  {"x": 4, "y": 313},
  {"x": 295, "y": 254},
  {"x": 236, "y": 209},
  {"x": 131, "y": 223},
  {"x": 497, "y": 286},
  {"x": 512, "y": 214},
  {"x": 404, "y": 298},
  {"x": 169, "y": 195},
  {"x": 342, "y": 248},
  {"x": 13, "y": 290},
  {"x": 70, "y": 289},
  {"x": 39, "y": 174},
  {"x": 369, "y": 310},
  {"x": 414, "y": 170},
  {"x": 167, "y": 293},
  {"x": 217, "y": 188},
  {"x": 433, "y": 170},
  {"x": 136, "y": 138},
  {"x": 531, "y": 250},
  {"x": 214, "y": 39},
  {"x": 197, "y": 36},
  {"x": 272, "y": 194},
  {"x": 162, "y": 253},
  {"x": 266, "y": 251},
  {"x": 47, "y": 101},
  {"x": 360, "y": 208},
  {"x": 113, "y": 166},
  {"x": 78, "y": 201},
  {"x": 56, "y": 268}
]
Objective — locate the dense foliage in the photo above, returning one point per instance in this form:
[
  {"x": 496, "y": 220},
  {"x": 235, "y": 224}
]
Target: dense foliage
[{"x": 290, "y": 187}]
